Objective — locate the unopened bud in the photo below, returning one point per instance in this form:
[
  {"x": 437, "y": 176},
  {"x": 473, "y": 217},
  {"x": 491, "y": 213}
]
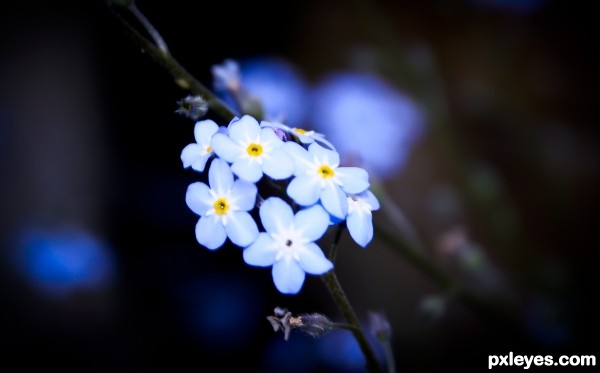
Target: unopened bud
[
  {"x": 193, "y": 107},
  {"x": 380, "y": 326}
]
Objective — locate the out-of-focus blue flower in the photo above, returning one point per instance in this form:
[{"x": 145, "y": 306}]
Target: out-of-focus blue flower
[
  {"x": 305, "y": 136},
  {"x": 360, "y": 219},
  {"x": 253, "y": 150},
  {"x": 223, "y": 208},
  {"x": 339, "y": 352},
  {"x": 288, "y": 244},
  {"x": 226, "y": 77},
  {"x": 371, "y": 123},
  {"x": 62, "y": 260},
  {"x": 196, "y": 154},
  {"x": 280, "y": 87},
  {"x": 217, "y": 308},
  {"x": 297, "y": 355},
  {"x": 319, "y": 177}
]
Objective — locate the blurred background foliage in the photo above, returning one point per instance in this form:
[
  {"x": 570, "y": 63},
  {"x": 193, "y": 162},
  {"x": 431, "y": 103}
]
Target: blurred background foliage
[{"x": 476, "y": 119}]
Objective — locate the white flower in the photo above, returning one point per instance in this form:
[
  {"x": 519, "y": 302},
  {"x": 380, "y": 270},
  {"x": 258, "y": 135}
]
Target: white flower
[
  {"x": 319, "y": 177},
  {"x": 223, "y": 208},
  {"x": 196, "y": 154},
  {"x": 253, "y": 150},
  {"x": 288, "y": 244}
]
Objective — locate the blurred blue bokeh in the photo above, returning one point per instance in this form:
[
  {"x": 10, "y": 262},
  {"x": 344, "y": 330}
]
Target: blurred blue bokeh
[{"x": 59, "y": 261}]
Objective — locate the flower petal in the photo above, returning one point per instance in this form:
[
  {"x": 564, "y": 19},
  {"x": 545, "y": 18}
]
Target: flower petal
[
  {"x": 210, "y": 232},
  {"x": 372, "y": 200},
  {"x": 275, "y": 215},
  {"x": 360, "y": 226},
  {"x": 247, "y": 169},
  {"x": 304, "y": 190},
  {"x": 334, "y": 200},
  {"x": 204, "y": 130},
  {"x": 313, "y": 261},
  {"x": 198, "y": 198},
  {"x": 300, "y": 156},
  {"x": 288, "y": 276},
  {"x": 324, "y": 155},
  {"x": 247, "y": 128},
  {"x": 243, "y": 195},
  {"x": 354, "y": 179},
  {"x": 225, "y": 148},
  {"x": 190, "y": 154},
  {"x": 269, "y": 138},
  {"x": 312, "y": 221},
  {"x": 278, "y": 164},
  {"x": 220, "y": 176},
  {"x": 241, "y": 228},
  {"x": 262, "y": 252}
]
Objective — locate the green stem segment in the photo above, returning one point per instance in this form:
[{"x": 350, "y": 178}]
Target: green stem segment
[
  {"x": 161, "y": 55},
  {"x": 336, "y": 291}
]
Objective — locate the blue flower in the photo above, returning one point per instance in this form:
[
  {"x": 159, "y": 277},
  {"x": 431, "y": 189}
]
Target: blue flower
[
  {"x": 196, "y": 154},
  {"x": 253, "y": 150},
  {"x": 360, "y": 220},
  {"x": 288, "y": 244},
  {"x": 372, "y": 124},
  {"x": 223, "y": 208},
  {"x": 319, "y": 177},
  {"x": 226, "y": 76},
  {"x": 280, "y": 87}
]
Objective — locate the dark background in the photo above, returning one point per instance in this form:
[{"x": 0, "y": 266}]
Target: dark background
[{"x": 90, "y": 142}]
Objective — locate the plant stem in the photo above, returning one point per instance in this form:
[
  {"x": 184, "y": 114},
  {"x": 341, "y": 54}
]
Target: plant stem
[
  {"x": 336, "y": 291},
  {"x": 160, "y": 54}
]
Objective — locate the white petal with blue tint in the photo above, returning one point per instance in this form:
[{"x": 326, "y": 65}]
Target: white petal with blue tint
[
  {"x": 288, "y": 276},
  {"x": 304, "y": 190},
  {"x": 210, "y": 232},
  {"x": 204, "y": 130},
  {"x": 220, "y": 177},
  {"x": 191, "y": 154},
  {"x": 300, "y": 156},
  {"x": 325, "y": 155},
  {"x": 243, "y": 195},
  {"x": 313, "y": 260},
  {"x": 247, "y": 169},
  {"x": 312, "y": 222},
  {"x": 360, "y": 227},
  {"x": 334, "y": 201},
  {"x": 261, "y": 252},
  {"x": 245, "y": 129},
  {"x": 198, "y": 198},
  {"x": 276, "y": 215},
  {"x": 353, "y": 179},
  {"x": 241, "y": 228},
  {"x": 225, "y": 148},
  {"x": 278, "y": 165}
]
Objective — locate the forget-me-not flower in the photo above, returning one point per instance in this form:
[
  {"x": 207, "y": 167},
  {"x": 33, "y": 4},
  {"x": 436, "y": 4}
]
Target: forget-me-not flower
[
  {"x": 319, "y": 177},
  {"x": 371, "y": 122},
  {"x": 253, "y": 150},
  {"x": 196, "y": 154},
  {"x": 288, "y": 244},
  {"x": 223, "y": 208},
  {"x": 360, "y": 219}
]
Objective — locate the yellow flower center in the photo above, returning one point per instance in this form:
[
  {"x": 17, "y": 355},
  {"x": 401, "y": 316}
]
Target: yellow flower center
[
  {"x": 326, "y": 172},
  {"x": 221, "y": 206},
  {"x": 209, "y": 149},
  {"x": 254, "y": 150},
  {"x": 300, "y": 131}
]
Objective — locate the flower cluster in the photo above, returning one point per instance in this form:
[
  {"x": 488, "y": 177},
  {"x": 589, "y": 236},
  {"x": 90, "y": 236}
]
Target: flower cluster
[{"x": 292, "y": 178}]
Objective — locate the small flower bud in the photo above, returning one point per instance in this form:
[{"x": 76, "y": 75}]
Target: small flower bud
[
  {"x": 193, "y": 107},
  {"x": 315, "y": 324}
]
